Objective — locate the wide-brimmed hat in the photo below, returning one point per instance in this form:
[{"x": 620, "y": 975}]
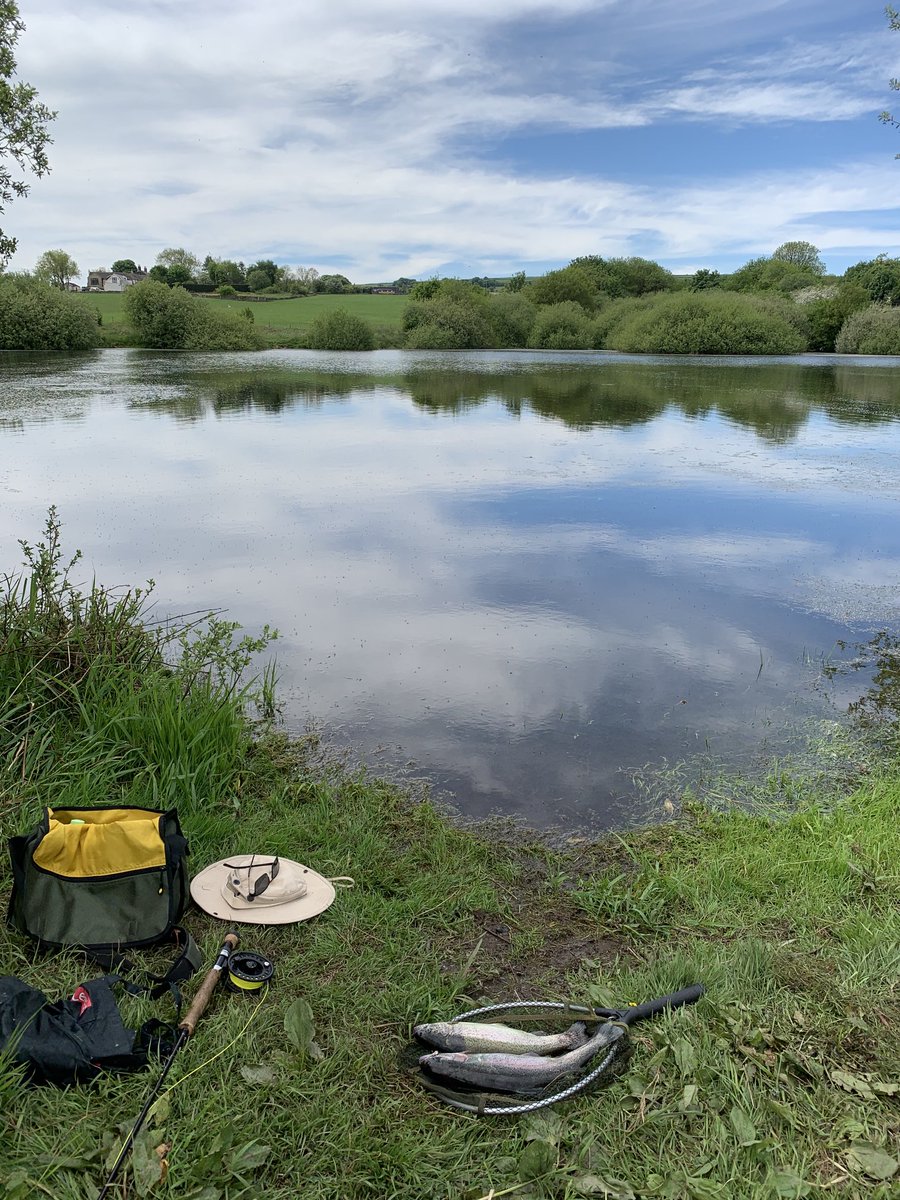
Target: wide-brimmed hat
[{"x": 261, "y": 889}]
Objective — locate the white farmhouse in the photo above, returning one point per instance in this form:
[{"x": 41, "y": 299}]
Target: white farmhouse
[{"x": 113, "y": 281}]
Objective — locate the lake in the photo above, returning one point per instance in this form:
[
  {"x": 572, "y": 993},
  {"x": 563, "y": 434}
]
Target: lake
[{"x": 535, "y": 580}]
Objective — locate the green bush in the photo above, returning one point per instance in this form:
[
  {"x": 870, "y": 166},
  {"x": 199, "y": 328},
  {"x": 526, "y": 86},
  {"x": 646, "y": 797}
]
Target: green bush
[
  {"x": 171, "y": 319},
  {"x": 710, "y": 322},
  {"x": 512, "y": 317},
  {"x": 771, "y": 274},
  {"x": 563, "y": 326},
  {"x": 872, "y": 330},
  {"x": 569, "y": 284},
  {"x": 704, "y": 279},
  {"x": 225, "y": 289},
  {"x": 622, "y": 277},
  {"x": 461, "y": 311},
  {"x": 880, "y": 277},
  {"x": 431, "y": 337},
  {"x": 35, "y": 316},
  {"x": 826, "y": 315},
  {"x": 341, "y": 330},
  {"x": 611, "y": 316}
]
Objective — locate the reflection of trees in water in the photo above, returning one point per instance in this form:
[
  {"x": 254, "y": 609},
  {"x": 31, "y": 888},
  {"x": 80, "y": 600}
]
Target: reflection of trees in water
[
  {"x": 864, "y": 397},
  {"x": 265, "y": 391},
  {"x": 580, "y": 399},
  {"x": 879, "y": 705},
  {"x": 38, "y": 403},
  {"x": 774, "y": 400}
]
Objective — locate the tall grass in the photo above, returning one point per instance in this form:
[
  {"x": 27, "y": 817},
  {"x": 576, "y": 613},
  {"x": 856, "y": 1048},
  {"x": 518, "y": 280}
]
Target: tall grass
[{"x": 102, "y": 703}]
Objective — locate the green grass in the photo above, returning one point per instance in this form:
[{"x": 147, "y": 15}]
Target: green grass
[
  {"x": 299, "y": 313},
  {"x": 275, "y": 318},
  {"x": 108, "y": 304},
  {"x": 780, "y": 1083}
]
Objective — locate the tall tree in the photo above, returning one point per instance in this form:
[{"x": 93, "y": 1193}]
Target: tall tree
[
  {"x": 800, "y": 254},
  {"x": 267, "y": 268},
  {"x": 56, "y": 267},
  {"x": 124, "y": 264},
  {"x": 23, "y": 124},
  {"x": 177, "y": 256},
  {"x": 223, "y": 272}
]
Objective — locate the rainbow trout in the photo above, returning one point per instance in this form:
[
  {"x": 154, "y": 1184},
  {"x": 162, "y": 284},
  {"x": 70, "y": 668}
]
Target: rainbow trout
[
  {"x": 471, "y": 1037},
  {"x": 518, "y": 1072}
]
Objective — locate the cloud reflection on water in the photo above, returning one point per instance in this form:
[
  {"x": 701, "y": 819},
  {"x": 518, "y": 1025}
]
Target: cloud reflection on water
[{"x": 519, "y": 600}]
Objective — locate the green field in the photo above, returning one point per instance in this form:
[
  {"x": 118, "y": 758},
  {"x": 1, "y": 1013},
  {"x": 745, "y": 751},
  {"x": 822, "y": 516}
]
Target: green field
[
  {"x": 301, "y": 311},
  {"x": 296, "y": 313}
]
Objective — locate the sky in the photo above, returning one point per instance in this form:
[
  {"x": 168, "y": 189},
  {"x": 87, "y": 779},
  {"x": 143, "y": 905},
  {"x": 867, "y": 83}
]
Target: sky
[{"x": 387, "y": 138}]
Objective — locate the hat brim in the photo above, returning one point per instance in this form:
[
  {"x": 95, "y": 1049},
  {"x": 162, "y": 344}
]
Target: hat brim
[{"x": 206, "y": 892}]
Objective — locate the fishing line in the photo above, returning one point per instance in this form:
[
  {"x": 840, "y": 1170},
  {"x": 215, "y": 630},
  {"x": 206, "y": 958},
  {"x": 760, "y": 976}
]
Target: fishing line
[{"x": 257, "y": 1008}]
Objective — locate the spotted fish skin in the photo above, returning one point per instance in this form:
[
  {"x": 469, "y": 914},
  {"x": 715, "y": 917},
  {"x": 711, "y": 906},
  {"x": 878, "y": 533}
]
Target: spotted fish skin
[
  {"x": 473, "y": 1037},
  {"x": 504, "y": 1072}
]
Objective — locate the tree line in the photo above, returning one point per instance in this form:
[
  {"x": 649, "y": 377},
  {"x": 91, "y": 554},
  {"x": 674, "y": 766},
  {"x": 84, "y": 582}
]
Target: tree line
[
  {"x": 178, "y": 267},
  {"x": 783, "y": 303}
]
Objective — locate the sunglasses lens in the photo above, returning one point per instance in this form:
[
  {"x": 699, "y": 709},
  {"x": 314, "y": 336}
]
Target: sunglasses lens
[
  {"x": 259, "y": 887},
  {"x": 261, "y": 884}
]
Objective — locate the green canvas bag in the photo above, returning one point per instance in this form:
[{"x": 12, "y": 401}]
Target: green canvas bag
[{"x": 99, "y": 879}]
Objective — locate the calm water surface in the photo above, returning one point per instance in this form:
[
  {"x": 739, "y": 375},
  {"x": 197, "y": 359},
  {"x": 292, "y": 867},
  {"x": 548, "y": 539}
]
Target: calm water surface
[{"x": 520, "y": 576}]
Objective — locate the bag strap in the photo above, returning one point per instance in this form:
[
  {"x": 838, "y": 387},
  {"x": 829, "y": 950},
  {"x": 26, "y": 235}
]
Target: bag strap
[{"x": 187, "y": 960}]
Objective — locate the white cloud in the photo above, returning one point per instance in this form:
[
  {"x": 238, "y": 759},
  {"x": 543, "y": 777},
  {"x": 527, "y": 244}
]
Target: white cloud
[
  {"x": 769, "y": 102},
  {"x": 363, "y": 132}
]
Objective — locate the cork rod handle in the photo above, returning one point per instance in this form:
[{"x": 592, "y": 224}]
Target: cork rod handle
[{"x": 189, "y": 1023}]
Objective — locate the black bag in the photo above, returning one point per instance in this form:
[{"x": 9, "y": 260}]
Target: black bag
[
  {"x": 71, "y": 1041},
  {"x": 99, "y": 879}
]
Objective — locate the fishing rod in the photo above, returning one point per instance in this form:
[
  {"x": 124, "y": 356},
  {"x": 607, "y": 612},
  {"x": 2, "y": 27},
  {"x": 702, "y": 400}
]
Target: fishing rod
[{"x": 186, "y": 1029}]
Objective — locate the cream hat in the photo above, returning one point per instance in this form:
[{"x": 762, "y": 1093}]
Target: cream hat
[{"x": 257, "y": 889}]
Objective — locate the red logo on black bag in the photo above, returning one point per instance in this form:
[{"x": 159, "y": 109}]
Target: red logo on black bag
[{"x": 83, "y": 997}]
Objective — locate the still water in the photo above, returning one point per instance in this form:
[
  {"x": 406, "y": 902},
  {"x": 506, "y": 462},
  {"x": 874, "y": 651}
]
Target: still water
[{"x": 522, "y": 577}]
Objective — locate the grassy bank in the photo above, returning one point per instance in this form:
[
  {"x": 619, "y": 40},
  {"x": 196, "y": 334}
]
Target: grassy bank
[
  {"x": 780, "y": 1083},
  {"x": 282, "y": 322}
]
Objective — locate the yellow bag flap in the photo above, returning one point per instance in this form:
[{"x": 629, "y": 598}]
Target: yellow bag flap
[{"x": 86, "y": 843}]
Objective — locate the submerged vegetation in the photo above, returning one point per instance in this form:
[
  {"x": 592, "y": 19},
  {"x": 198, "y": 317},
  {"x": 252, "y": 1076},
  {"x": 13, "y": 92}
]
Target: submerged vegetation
[{"x": 780, "y": 1083}]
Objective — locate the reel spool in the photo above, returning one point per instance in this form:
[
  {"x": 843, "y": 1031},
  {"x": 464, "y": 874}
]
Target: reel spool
[{"x": 248, "y": 971}]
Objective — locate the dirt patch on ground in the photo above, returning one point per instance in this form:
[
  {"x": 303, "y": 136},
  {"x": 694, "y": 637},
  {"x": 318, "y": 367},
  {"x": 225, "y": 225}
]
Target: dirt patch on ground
[
  {"x": 528, "y": 955},
  {"x": 542, "y": 937}
]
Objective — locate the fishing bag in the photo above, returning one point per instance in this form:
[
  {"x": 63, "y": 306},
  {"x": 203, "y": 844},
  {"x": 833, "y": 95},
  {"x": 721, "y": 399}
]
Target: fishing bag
[{"x": 100, "y": 879}]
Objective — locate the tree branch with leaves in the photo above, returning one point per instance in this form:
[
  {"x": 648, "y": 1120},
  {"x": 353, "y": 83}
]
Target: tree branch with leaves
[
  {"x": 23, "y": 124},
  {"x": 893, "y": 16}
]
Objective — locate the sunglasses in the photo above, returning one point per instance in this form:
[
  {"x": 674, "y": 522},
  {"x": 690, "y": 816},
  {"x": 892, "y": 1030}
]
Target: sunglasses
[{"x": 260, "y": 885}]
